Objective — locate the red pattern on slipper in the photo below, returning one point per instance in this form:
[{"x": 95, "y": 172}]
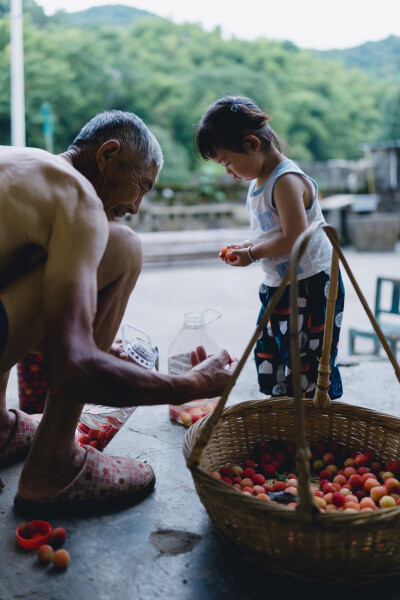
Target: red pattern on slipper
[
  {"x": 21, "y": 438},
  {"x": 102, "y": 480}
]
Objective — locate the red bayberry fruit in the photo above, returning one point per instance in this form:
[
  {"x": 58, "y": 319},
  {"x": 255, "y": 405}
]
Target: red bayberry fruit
[
  {"x": 227, "y": 472},
  {"x": 249, "y": 464},
  {"x": 356, "y": 482},
  {"x": 361, "y": 460},
  {"x": 277, "y": 465},
  {"x": 230, "y": 255},
  {"x": 265, "y": 457},
  {"x": 370, "y": 455},
  {"x": 349, "y": 471},
  {"x": 279, "y": 486},
  {"x": 247, "y": 482},
  {"x": 258, "y": 479},
  {"x": 376, "y": 466},
  {"x": 325, "y": 475},
  {"x": 362, "y": 470},
  {"x": 340, "y": 479},
  {"x": 26, "y": 531},
  {"x": 45, "y": 553},
  {"x": 328, "y": 487},
  {"x": 290, "y": 448},
  {"x": 338, "y": 499},
  {"x": 227, "y": 480},
  {"x": 237, "y": 480},
  {"x": 280, "y": 457},
  {"x": 58, "y": 534},
  {"x": 61, "y": 559},
  {"x": 368, "y": 476},
  {"x": 249, "y": 473},
  {"x": 332, "y": 446},
  {"x": 268, "y": 470},
  {"x": 328, "y": 458},
  {"x": 320, "y": 448},
  {"x": 393, "y": 466}
]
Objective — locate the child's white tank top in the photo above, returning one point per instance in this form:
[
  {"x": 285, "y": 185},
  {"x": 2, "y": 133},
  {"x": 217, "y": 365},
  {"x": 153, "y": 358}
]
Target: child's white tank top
[{"x": 265, "y": 224}]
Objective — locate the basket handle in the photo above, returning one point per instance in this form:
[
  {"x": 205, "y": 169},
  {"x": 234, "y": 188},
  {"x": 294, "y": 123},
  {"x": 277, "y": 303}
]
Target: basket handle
[
  {"x": 212, "y": 420},
  {"x": 306, "y": 507}
]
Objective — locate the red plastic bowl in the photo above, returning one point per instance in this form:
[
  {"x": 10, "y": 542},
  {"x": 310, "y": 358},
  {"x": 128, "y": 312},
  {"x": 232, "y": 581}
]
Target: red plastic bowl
[{"x": 41, "y": 534}]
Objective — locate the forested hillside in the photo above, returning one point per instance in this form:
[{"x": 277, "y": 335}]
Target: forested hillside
[
  {"x": 378, "y": 59},
  {"x": 169, "y": 73}
]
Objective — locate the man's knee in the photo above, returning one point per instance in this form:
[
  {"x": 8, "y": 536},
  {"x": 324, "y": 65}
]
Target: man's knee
[{"x": 123, "y": 255}]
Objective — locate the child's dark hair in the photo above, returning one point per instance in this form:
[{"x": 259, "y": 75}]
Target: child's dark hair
[{"x": 228, "y": 121}]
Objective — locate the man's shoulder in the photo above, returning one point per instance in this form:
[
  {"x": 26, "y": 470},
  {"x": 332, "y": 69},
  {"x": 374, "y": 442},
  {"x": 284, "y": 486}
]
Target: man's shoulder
[
  {"x": 43, "y": 171},
  {"x": 16, "y": 153},
  {"x": 27, "y": 157}
]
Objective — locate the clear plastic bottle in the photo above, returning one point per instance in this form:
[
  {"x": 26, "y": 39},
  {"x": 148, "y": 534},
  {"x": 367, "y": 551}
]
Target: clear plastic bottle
[
  {"x": 98, "y": 424},
  {"x": 193, "y": 333}
]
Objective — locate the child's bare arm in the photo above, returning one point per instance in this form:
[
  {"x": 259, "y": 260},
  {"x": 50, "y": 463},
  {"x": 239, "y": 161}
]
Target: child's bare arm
[{"x": 289, "y": 197}]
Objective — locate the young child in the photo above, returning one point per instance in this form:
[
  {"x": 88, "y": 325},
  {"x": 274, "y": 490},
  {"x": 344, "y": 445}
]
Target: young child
[{"x": 282, "y": 202}]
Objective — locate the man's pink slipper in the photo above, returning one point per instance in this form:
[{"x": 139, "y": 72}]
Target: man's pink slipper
[
  {"x": 105, "y": 483},
  {"x": 18, "y": 444}
]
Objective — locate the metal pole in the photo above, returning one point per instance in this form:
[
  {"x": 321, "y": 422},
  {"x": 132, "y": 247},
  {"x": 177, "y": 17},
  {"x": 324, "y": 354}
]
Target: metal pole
[{"x": 17, "y": 75}]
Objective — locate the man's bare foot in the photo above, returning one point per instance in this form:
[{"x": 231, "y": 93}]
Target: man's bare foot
[
  {"x": 8, "y": 422},
  {"x": 42, "y": 477}
]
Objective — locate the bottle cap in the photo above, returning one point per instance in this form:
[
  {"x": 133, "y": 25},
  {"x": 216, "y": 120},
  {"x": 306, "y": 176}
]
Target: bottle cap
[
  {"x": 198, "y": 319},
  {"x": 39, "y": 533},
  {"x": 139, "y": 349},
  {"x": 141, "y": 353}
]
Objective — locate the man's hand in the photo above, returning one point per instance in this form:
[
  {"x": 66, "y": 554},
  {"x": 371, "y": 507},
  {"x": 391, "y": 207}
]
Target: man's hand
[
  {"x": 215, "y": 371},
  {"x": 117, "y": 350}
]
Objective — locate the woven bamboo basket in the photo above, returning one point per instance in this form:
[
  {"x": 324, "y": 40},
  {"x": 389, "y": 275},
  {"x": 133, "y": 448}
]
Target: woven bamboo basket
[{"x": 305, "y": 544}]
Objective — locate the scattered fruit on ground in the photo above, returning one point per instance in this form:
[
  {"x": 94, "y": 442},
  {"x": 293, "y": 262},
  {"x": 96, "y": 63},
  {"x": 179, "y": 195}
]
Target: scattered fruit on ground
[
  {"x": 58, "y": 535},
  {"x": 45, "y": 553},
  {"x": 61, "y": 559}
]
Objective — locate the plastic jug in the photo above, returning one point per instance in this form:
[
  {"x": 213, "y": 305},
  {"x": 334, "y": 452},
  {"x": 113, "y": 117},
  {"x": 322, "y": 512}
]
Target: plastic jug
[
  {"x": 193, "y": 333},
  {"x": 98, "y": 424}
]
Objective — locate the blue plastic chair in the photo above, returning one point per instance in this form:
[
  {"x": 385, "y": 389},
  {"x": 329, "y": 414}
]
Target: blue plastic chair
[{"x": 390, "y": 330}]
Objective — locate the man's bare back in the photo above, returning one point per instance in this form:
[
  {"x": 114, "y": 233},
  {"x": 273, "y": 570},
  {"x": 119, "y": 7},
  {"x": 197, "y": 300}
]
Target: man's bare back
[{"x": 66, "y": 275}]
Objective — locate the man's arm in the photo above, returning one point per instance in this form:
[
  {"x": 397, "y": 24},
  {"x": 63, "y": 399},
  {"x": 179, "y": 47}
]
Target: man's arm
[{"x": 76, "y": 367}]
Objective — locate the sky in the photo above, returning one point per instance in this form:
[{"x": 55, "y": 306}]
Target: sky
[{"x": 317, "y": 24}]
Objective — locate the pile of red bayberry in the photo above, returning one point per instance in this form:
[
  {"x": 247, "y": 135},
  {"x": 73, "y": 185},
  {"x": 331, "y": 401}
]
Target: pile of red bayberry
[{"x": 348, "y": 482}]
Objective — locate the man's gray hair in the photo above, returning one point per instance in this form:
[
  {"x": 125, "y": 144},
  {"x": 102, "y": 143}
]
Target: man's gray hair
[{"x": 137, "y": 142}]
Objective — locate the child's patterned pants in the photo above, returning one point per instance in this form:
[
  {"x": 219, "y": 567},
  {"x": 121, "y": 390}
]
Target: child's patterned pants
[{"x": 272, "y": 352}]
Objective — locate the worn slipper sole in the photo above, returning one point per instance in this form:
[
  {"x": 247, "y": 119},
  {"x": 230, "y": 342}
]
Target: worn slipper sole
[
  {"x": 21, "y": 438},
  {"x": 104, "y": 484}
]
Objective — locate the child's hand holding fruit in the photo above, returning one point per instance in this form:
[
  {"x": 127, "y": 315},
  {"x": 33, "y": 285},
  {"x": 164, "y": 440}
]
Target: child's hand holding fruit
[{"x": 236, "y": 254}]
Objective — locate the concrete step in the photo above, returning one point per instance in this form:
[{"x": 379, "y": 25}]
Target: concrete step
[{"x": 179, "y": 247}]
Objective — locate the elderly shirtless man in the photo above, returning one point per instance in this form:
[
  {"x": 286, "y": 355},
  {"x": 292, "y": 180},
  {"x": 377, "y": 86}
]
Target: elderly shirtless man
[{"x": 66, "y": 274}]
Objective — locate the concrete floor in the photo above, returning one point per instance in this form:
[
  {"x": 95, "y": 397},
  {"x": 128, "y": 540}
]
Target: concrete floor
[{"x": 165, "y": 547}]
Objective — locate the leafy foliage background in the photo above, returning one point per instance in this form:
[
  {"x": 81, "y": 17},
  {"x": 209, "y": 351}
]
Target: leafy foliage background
[{"x": 324, "y": 104}]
